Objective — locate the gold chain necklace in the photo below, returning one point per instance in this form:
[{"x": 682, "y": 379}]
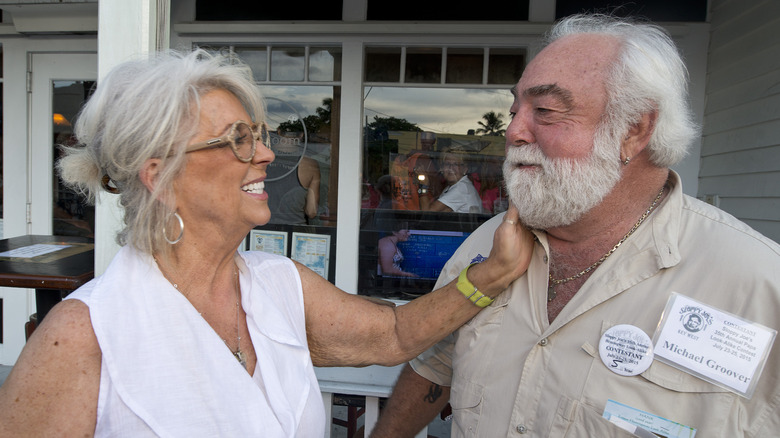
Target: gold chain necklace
[
  {"x": 238, "y": 354},
  {"x": 551, "y": 294}
]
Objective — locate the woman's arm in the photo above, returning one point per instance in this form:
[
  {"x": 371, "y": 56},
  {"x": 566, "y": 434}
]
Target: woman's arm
[
  {"x": 53, "y": 388},
  {"x": 427, "y": 205},
  {"x": 309, "y": 176},
  {"x": 346, "y": 330}
]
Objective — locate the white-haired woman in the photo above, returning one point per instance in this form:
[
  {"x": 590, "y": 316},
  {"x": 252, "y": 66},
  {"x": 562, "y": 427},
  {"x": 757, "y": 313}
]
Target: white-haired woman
[{"x": 182, "y": 335}]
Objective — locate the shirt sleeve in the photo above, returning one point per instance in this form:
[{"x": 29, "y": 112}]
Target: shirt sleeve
[{"x": 456, "y": 197}]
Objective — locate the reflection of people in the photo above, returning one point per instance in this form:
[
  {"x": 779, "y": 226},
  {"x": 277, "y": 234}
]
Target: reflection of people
[
  {"x": 460, "y": 195},
  {"x": 489, "y": 185},
  {"x": 599, "y": 116},
  {"x": 182, "y": 335},
  {"x": 390, "y": 256},
  {"x": 297, "y": 193},
  {"x": 384, "y": 185},
  {"x": 416, "y": 179}
]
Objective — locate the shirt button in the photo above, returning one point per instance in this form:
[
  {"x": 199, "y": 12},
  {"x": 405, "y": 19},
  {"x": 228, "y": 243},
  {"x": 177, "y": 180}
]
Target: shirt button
[
  {"x": 543, "y": 342},
  {"x": 521, "y": 429},
  {"x": 546, "y": 259}
]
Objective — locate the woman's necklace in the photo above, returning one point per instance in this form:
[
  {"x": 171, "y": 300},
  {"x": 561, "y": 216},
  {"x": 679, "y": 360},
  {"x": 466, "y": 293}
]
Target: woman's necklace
[
  {"x": 238, "y": 354},
  {"x": 551, "y": 294}
]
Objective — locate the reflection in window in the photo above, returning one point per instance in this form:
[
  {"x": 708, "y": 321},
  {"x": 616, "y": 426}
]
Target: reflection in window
[
  {"x": 423, "y": 65},
  {"x": 257, "y": 59},
  {"x": 383, "y": 64},
  {"x": 324, "y": 64},
  {"x": 299, "y": 120},
  {"x": 303, "y": 123},
  {"x": 423, "y": 146},
  {"x": 464, "y": 66},
  {"x": 460, "y": 65},
  {"x": 505, "y": 66},
  {"x": 72, "y": 215},
  {"x": 303, "y": 116},
  {"x": 287, "y": 63}
]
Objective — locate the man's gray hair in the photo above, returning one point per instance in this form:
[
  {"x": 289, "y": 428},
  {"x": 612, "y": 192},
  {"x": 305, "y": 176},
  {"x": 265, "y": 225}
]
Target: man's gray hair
[
  {"x": 145, "y": 109},
  {"x": 649, "y": 74}
]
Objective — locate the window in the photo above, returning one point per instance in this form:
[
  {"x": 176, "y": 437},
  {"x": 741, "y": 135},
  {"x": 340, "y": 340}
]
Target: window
[
  {"x": 433, "y": 148},
  {"x": 242, "y": 10},
  {"x": 300, "y": 84},
  {"x": 439, "y": 10}
]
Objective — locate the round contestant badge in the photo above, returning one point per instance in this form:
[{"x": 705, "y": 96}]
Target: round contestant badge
[{"x": 626, "y": 350}]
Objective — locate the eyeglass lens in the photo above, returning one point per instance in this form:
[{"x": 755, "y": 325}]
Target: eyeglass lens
[{"x": 243, "y": 141}]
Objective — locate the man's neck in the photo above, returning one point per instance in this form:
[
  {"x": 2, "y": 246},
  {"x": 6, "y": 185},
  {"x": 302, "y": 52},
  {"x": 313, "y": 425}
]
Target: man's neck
[{"x": 575, "y": 247}]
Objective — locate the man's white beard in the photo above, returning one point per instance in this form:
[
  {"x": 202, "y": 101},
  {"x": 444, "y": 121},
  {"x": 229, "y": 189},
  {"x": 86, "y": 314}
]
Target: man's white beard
[{"x": 560, "y": 190}]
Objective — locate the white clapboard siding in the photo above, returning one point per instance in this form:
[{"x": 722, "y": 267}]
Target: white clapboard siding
[{"x": 740, "y": 157}]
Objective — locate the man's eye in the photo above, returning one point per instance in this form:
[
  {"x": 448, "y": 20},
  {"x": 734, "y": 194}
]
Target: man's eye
[{"x": 512, "y": 115}]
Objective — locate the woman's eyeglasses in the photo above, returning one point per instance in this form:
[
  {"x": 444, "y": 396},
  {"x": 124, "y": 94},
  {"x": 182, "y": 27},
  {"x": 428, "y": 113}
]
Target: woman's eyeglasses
[{"x": 242, "y": 139}]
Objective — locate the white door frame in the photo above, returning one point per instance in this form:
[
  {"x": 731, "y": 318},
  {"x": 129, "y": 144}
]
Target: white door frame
[
  {"x": 48, "y": 67},
  {"x": 17, "y": 163}
]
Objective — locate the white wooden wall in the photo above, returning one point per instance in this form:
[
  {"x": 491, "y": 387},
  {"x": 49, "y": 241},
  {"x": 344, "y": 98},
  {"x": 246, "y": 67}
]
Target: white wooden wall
[{"x": 740, "y": 157}]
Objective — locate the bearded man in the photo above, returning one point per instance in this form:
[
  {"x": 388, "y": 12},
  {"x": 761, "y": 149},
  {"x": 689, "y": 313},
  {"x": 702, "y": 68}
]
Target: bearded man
[{"x": 621, "y": 254}]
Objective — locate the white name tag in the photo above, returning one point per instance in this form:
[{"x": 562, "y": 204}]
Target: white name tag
[
  {"x": 714, "y": 345},
  {"x": 644, "y": 424}
]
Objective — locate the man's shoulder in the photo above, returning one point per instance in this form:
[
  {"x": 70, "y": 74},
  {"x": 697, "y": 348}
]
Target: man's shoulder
[{"x": 705, "y": 221}]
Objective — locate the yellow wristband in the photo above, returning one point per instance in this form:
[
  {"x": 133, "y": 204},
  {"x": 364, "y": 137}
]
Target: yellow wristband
[{"x": 470, "y": 291}]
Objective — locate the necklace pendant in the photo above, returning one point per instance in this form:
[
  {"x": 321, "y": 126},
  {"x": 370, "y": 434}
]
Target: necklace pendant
[
  {"x": 551, "y": 292},
  {"x": 241, "y": 358}
]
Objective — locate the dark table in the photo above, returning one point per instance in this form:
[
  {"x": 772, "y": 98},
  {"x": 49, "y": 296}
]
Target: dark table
[{"x": 53, "y": 275}]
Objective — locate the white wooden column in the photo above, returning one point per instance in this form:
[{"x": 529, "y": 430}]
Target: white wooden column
[{"x": 126, "y": 30}]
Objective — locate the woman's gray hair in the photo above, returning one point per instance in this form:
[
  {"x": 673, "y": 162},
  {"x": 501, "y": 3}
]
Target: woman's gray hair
[
  {"x": 648, "y": 75},
  {"x": 146, "y": 109}
]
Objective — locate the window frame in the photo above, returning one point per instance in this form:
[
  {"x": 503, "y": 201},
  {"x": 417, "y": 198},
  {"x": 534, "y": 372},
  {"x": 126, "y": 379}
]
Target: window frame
[{"x": 352, "y": 83}]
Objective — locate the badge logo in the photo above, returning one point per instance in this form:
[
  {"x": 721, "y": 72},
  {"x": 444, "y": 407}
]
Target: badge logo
[{"x": 694, "y": 319}]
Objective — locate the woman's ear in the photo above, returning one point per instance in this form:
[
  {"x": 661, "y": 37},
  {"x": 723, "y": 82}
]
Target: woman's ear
[
  {"x": 639, "y": 135},
  {"x": 149, "y": 173}
]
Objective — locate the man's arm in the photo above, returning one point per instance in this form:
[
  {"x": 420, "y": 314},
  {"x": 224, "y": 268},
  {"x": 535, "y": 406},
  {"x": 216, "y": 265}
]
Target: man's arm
[{"x": 414, "y": 403}]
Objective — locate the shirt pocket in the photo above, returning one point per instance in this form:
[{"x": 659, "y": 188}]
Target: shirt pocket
[
  {"x": 466, "y": 402},
  {"x": 661, "y": 390},
  {"x": 577, "y": 420}
]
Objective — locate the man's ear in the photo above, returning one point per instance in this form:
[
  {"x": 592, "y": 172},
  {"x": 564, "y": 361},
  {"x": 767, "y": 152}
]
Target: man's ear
[
  {"x": 149, "y": 173},
  {"x": 638, "y": 135}
]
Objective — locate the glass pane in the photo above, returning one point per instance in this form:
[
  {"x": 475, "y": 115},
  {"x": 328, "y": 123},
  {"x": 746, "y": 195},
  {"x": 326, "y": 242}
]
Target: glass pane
[
  {"x": 287, "y": 63},
  {"x": 464, "y": 66},
  {"x": 324, "y": 64},
  {"x": 303, "y": 123},
  {"x": 441, "y": 10},
  {"x": 257, "y": 59},
  {"x": 72, "y": 215},
  {"x": 506, "y": 66},
  {"x": 423, "y": 65},
  {"x": 383, "y": 64},
  {"x": 1, "y": 160},
  {"x": 221, "y": 10},
  {"x": 413, "y": 139}
]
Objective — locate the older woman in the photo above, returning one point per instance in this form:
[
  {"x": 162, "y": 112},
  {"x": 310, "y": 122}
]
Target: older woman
[
  {"x": 460, "y": 195},
  {"x": 182, "y": 335}
]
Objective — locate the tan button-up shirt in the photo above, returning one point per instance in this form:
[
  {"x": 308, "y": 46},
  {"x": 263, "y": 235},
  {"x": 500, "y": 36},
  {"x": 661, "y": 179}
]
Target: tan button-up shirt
[{"x": 512, "y": 373}]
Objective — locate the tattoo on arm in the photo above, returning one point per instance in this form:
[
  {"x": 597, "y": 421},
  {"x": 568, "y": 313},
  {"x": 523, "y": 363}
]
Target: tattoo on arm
[{"x": 434, "y": 392}]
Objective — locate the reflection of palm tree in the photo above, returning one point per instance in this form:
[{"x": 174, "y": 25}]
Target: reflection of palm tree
[{"x": 493, "y": 124}]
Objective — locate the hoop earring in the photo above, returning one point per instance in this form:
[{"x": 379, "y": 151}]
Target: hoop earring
[{"x": 181, "y": 232}]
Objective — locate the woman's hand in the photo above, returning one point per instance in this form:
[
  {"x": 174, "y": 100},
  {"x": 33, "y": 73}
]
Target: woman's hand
[
  {"x": 509, "y": 258},
  {"x": 347, "y": 330}
]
